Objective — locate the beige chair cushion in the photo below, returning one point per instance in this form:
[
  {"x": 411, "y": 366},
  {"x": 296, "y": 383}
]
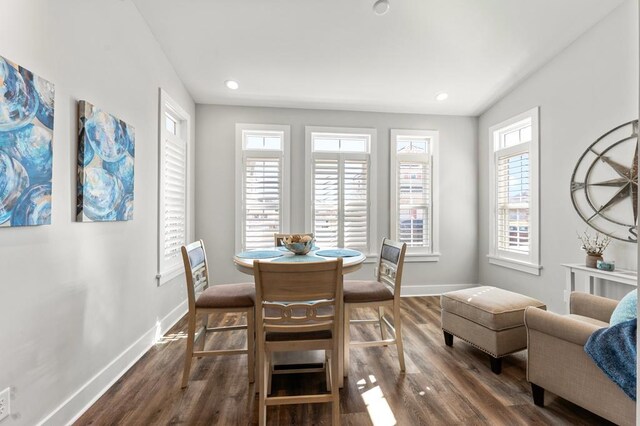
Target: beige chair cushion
[
  {"x": 491, "y": 307},
  {"x": 365, "y": 291},
  {"x": 241, "y": 295}
]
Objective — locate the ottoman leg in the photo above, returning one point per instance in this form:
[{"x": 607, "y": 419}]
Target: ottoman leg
[
  {"x": 538, "y": 395},
  {"x": 496, "y": 365},
  {"x": 448, "y": 338}
]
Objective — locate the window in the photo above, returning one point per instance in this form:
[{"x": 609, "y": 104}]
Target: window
[
  {"x": 414, "y": 192},
  {"x": 174, "y": 186},
  {"x": 262, "y": 184},
  {"x": 514, "y": 193},
  {"x": 341, "y": 187}
]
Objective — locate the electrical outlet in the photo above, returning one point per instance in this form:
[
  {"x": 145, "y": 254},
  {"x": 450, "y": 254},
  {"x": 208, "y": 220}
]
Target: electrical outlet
[{"x": 5, "y": 403}]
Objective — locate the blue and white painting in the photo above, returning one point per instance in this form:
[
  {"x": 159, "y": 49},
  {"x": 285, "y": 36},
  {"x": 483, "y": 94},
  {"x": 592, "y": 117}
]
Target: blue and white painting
[
  {"x": 106, "y": 153},
  {"x": 26, "y": 146}
]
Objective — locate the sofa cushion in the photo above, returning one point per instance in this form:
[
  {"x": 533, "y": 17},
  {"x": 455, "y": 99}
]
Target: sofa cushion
[
  {"x": 626, "y": 310},
  {"x": 490, "y": 307}
]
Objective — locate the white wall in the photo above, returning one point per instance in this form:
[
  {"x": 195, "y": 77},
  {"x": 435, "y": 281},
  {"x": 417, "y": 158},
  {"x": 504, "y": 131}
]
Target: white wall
[
  {"x": 588, "y": 89},
  {"x": 74, "y": 296},
  {"x": 215, "y": 193}
]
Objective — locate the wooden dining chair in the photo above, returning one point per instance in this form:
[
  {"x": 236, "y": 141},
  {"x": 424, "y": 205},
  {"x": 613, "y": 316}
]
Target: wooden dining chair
[
  {"x": 291, "y": 316},
  {"x": 277, "y": 238},
  {"x": 382, "y": 293},
  {"x": 205, "y": 300}
]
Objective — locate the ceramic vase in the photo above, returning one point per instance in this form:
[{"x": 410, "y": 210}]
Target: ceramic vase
[{"x": 592, "y": 260}]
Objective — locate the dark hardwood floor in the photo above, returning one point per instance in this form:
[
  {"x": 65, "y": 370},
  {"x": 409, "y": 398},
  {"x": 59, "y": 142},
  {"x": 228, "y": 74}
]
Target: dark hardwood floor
[{"x": 442, "y": 386}]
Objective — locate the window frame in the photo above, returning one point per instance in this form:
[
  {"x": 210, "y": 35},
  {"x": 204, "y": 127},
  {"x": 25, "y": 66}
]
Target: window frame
[
  {"x": 284, "y": 155},
  {"x": 372, "y": 134},
  {"x": 525, "y": 263},
  {"x": 168, "y": 106},
  {"x": 416, "y": 254}
]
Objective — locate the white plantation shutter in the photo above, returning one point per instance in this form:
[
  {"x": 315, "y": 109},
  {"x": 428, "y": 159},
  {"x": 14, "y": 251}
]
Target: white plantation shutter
[
  {"x": 513, "y": 201},
  {"x": 263, "y": 198},
  {"x": 174, "y": 195},
  {"x": 355, "y": 204},
  {"x": 326, "y": 196},
  {"x": 341, "y": 202},
  {"x": 414, "y": 195}
]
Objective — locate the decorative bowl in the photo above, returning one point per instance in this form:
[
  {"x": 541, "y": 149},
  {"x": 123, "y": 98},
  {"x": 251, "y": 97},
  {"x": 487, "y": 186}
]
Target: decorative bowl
[{"x": 298, "y": 244}]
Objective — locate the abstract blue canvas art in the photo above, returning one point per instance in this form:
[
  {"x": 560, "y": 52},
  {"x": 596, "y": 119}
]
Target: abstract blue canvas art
[
  {"x": 26, "y": 151},
  {"x": 106, "y": 152}
]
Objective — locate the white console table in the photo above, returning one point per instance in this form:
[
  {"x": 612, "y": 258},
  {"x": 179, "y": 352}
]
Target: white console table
[{"x": 622, "y": 276}]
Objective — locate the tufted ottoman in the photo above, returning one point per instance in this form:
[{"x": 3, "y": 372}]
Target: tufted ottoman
[{"x": 489, "y": 318}]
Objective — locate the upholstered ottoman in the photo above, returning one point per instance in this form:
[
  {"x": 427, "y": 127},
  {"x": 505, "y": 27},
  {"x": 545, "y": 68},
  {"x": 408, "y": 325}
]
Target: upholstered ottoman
[{"x": 489, "y": 318}]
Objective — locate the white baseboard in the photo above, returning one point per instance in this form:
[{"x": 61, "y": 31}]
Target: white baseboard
[
  {"x": 74, "y": 406},
  {"x": 432, "y": 290}
]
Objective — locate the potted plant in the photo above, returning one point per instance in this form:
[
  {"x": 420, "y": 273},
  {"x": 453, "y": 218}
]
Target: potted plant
[{"x": 594, "y": 246}]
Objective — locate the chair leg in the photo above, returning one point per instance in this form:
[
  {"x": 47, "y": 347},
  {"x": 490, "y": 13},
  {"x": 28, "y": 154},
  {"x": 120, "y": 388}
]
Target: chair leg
[
  {"x": 335, "y": 387},
  {"x": 262, "y": 385},
  {"x": 327, "y": 369},
  {"x": 203, "y": 336},
  {"x": 188, "y": 356},
  {"x": 538, "y": 395},
  {"x": 347, "y": 339},
  {"x": 496, "y": 365},
  {"x": 397, "y": 320},
  {"x": 262, "y": 405},
  {"x": 448, "y": 338},
  {"x": 383, "y": 330},
  {"x": 251, "y": 345},
  {"x": 269, "y": 373}
]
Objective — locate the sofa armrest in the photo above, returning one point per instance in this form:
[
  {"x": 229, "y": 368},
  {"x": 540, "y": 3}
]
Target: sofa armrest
[
  {"x": 562, "y": 327},
  {"x": 589, "y": 305}
]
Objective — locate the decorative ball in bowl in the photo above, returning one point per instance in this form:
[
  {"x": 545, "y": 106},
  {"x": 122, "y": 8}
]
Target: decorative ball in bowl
[{"x": 298, "y": 244}]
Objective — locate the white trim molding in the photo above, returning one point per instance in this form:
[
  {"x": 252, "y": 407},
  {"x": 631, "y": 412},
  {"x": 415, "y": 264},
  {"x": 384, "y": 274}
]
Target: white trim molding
[{"x": 82, "y": 399}]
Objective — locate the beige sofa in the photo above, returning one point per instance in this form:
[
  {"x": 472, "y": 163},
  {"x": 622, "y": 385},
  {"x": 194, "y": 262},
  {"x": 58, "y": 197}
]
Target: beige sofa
[{"x": 557, "y": 361}]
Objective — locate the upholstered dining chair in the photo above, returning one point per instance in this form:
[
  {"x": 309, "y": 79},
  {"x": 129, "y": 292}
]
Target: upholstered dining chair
[
  {"x": 277, "y": 238},
  {"x": 382, "y": 293},
  {"x": 295, "y": 317},
  {"x": 205, "y": 300}
]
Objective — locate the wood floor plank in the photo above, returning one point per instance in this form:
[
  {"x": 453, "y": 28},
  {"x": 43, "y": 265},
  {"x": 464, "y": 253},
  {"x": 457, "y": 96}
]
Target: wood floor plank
[{"x": 441, "y": 386}]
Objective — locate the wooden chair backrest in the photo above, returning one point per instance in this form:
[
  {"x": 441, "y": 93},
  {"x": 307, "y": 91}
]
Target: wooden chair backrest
[
  {"x": 391, "y": 264},
  {"x": 194, "y": 258},
  {"x": 298, "y": 297},
  {"x": 277, "y": 238}
]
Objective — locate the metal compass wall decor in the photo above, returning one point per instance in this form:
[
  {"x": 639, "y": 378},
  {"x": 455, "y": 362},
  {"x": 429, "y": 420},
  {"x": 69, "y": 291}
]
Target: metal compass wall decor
[{"x": 604, "y": 184}]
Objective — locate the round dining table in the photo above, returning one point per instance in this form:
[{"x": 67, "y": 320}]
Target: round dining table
[{"x": 349, "y": 264}]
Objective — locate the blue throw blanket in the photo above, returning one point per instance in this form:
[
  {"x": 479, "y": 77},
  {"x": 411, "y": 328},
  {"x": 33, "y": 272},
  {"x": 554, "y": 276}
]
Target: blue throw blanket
[{"x": 614, "y": 351}]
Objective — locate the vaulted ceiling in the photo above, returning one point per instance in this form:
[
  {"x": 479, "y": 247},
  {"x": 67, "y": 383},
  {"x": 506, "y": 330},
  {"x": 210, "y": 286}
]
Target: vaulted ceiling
[{"x": 338, "y": 54}]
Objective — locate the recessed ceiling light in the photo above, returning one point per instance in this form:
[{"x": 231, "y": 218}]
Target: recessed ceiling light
[
  {"x": 442, "y": 96},
  {"x": 380, "y": 7},
  {"x": 232, "y": 84}
]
